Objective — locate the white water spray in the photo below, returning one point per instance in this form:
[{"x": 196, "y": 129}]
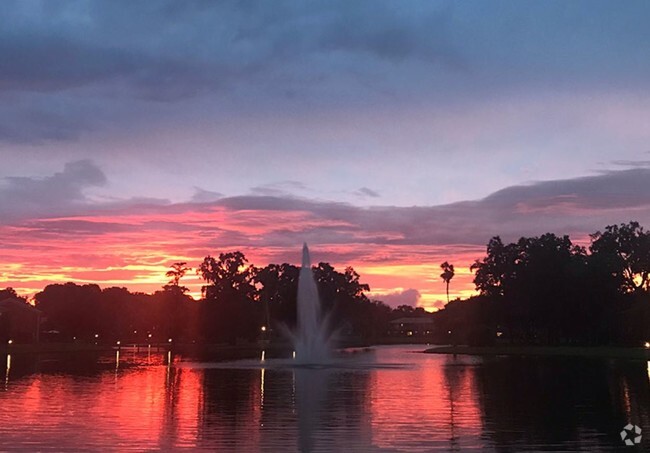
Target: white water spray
[{"x": 311, "y": 339}]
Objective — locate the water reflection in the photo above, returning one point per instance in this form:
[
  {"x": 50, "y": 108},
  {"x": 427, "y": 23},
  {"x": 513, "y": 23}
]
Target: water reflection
[
  {"x": 559, "y": 403},
  {"x": 426, "y": 408},
  {"x": 8, "y": 368},
  {"x": 146, "y": 401}
]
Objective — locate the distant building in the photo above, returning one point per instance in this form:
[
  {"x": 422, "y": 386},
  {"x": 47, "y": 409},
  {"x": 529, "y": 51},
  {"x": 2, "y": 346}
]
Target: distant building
[
  {"x": 412, "y": 326},
  {"x": 19, "y": 321}
]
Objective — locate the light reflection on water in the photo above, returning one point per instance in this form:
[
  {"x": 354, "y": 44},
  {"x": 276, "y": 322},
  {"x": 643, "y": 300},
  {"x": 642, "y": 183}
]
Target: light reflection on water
[{"x": 386, "y": 400}]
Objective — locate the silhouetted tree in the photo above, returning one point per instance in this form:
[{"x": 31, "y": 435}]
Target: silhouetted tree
[
  {"x": 537, "y": 284},
  {"x": 10, "y": 293},
  {"x": 278, "y": 288},
  {"x": 408, "y": 311},
  {"x": 229, "y": 277},
  {"x": 171, "y": 301},
  {"x": 624, "y": 251},
  {"x": 175, "y": 274},
  {"x": 537, "y": 290},
  {"x": 231, "y": 309},
  {"x": 447, "y": 274},
  {"x": 73, "y": 308}
]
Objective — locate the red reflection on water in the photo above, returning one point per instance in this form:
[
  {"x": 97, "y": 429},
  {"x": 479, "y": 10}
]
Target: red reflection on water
[
  {"x": 151, "y": 407},
  {"x": 426, "y": 407}
]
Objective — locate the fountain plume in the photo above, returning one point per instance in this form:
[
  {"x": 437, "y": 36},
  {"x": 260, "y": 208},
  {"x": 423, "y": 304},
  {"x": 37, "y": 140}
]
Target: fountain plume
[{"x": 311, "y": 340}]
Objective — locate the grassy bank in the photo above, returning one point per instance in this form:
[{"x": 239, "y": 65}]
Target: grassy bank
[{"x": 559, "y": 351}]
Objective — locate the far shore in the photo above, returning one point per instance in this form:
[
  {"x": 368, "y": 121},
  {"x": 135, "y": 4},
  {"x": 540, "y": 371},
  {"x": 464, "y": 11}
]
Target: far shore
[
  {"x": 558, "y": 351},
  {"x": 242, "y": 348},
  {"x": 254, "y": 348},
  {"x": 35, "y": 348}
]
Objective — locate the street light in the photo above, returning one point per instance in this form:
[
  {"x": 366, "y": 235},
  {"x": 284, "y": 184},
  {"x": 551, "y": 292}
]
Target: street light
[
  {"x": 263, "y": 328},
  {"x": 10, "y": 342}
]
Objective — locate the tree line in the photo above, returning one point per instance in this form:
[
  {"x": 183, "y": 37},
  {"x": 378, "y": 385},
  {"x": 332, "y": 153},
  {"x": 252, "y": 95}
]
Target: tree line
[
  {"x": 537, "y": 290},
  {"x": 547, "y": 290},
  {"x": 238, "y": 299}
]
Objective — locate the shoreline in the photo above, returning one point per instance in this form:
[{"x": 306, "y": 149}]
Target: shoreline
[
  {"x": 251, "y": 349},
  {"x": 611, "y": 352}
]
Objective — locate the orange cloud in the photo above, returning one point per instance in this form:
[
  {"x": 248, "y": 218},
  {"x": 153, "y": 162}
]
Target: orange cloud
[{"x": 135, "y": 249}]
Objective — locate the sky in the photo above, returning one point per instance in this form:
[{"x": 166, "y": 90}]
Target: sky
[{"x": 390, "y": 136}]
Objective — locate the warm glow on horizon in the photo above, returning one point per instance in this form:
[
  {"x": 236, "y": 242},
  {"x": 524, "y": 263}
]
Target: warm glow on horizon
[{"x": 135, "y": 250}]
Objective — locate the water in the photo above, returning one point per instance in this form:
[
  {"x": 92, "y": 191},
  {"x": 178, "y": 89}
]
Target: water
[
  {"x": 387, "y": 400},
  {"x": 311, "y": 340}
]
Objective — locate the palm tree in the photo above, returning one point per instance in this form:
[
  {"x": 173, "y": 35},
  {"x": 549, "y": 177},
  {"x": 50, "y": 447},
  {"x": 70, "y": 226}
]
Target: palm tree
[{"x": 447, "y": 274}]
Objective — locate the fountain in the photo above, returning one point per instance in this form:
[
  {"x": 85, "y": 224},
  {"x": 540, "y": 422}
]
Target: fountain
[{"x": 311, "y": 339}]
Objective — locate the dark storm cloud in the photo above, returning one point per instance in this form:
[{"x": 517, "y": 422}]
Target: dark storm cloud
[
  {"x": 39, "y": 62},
  {"x": 167, "y": 49},
  {"x": 319, "y": 51}
]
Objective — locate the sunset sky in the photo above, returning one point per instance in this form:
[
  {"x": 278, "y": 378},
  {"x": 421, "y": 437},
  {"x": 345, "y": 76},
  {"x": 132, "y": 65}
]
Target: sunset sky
[{"x": 390, "y": 136}]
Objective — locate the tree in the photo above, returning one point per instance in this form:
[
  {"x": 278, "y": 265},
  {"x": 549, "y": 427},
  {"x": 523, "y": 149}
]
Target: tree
[
  {"x": 278, "y": 288},
  {"x": 447, "y": 274},
  {"x": 623, "y": 251},
  {"x": 538, "y": 284},
  {"x": 75, "y": 310},
  {"x": 170, "y": 302},
  {"x": 229, "y": 277},
  {"x": 177, "y": 271},
  {"x": 230, "y": 310},
  {"x": 496, "y": 270},
  {"x": 10, "y": 293}
]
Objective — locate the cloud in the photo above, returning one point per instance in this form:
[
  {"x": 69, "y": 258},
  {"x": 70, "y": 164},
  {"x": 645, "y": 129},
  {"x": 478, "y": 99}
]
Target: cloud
[
  {"x": 409, "y": 297},
  {"x": 35, "y": 124},
  {"x": 65, "y": 193},
  {"x": 25, "y": 196},
  {"x": 203, "y": 45},
  {"x": 608, "y": 190},
  {"x": 329, "y": 55},
  {"x": 366, "y": 192},
  {"x": 204, "y": 196},
  {"x": 392, "y": 247},
  {"x": 631, "y": 163},
  {"x": 578, "y": 205},
  {"x": 41, "y": 62},
  {"x": 279, "y": 189},
  {"x": 439, "y": 304}
]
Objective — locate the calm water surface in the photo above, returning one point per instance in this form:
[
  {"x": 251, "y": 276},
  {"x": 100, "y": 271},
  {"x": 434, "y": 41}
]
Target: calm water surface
[{"x": 388, "y": 399}]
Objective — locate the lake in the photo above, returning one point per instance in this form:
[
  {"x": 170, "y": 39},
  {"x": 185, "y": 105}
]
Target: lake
[{"x": 387, "y": 399}]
